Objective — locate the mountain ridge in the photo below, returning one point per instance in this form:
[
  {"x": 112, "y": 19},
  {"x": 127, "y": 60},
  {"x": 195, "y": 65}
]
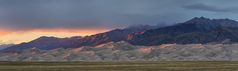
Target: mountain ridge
[
  {"x": 197, "y": 30},
  {"x": 49, "y": 43}
]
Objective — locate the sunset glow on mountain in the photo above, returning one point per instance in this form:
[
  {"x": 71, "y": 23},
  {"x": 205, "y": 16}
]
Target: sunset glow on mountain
[{"x": 16, "y": 37}]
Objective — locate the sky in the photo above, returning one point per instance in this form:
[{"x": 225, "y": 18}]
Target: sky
[{"x": 25, "y": 20}]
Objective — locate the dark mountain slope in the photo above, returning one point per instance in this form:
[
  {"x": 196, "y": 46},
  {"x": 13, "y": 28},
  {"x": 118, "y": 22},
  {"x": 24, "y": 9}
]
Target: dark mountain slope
[
  {"x": 196, "y": 30},
  {"x": 113, "y": 36},
  {"x": 3, "y": 46},
  {"x": 46, "y": 43}
]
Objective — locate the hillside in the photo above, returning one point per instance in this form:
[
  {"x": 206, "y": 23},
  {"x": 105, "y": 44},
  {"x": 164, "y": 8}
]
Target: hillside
[
  {"x": 197, "y": 30},
  {"x": 49, "y": 43}
]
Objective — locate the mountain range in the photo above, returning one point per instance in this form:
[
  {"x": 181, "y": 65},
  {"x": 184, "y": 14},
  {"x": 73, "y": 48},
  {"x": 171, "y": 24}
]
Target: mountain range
[
  {"x": 197, "y": 30},
  {"x": 49, "y": 43}
]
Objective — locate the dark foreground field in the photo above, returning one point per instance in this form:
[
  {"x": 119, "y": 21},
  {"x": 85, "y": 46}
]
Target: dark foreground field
[{"x": 118, "y": 66}]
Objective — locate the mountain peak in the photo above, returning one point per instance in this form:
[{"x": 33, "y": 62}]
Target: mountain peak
[
  {"x": 43, "y": 38},
  {"x": 46, "y": 37},
  {"x": 201, "y": 18},
  {"x": 203, "y": 21},
  {"x": 198, "y": 20}
]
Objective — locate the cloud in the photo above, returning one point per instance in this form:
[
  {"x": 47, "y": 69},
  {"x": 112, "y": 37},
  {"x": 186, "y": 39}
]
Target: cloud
[
  {"x": 76, "y": 14},
  {"x": 44, "y": 14},
  {"x": 205, "y": 7}
]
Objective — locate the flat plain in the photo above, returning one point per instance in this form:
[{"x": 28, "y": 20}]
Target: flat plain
[{"x": 121, "y": 66}]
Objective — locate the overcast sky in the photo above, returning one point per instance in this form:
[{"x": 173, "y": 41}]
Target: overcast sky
[{"x": 46, "y": 14}]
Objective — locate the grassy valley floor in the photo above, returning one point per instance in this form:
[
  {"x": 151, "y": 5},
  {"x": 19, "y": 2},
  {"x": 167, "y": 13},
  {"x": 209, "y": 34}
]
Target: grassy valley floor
[{"x": 119, "y": 66}]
